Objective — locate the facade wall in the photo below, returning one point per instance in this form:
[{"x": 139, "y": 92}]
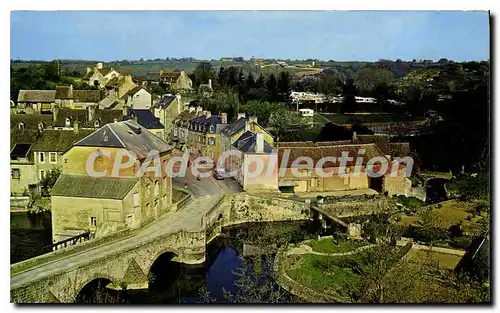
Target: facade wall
[
  {"x": 71, "y": 215},
  {"x": 28, "y": 176},
  {"x": 399, "y": 185},
  {"x": 141, "y": 100},
  {"x": 268, "y": 177}
]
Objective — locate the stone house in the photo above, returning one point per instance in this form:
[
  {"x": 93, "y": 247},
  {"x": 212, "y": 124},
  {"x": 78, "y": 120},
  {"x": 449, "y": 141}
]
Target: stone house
[
  {"x": 239, "y": 126},
  {"x": 66, "y": 97},
  {"x": 22, "y": 169},
  {"x": 311, "y": 182},
  {"x": 167, "y": 110},
  {"x": 49, "y": 148},
  {"x": 180, "y": 127},
  {"x": 253, "y": 148},
  {"x": 92, "y": 117},
  {"x": 112, "y": 201},
  {"x": 177, "y": 81},
  {"x": 204, "y": 137},
  {"x": 206, "y": 90},
  {"x": 37, "y": 101},
  {"x": 137, "y": 98},
  {"x": 98, "y": 76}
]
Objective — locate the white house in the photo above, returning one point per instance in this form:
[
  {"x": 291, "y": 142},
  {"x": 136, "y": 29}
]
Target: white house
[
  {"x": 307, "y": 112},
  {"x": 138, "y": 98}
]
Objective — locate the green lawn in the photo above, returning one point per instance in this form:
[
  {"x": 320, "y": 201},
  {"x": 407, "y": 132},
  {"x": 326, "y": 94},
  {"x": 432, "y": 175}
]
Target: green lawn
[{"x": 327, "y": 245}]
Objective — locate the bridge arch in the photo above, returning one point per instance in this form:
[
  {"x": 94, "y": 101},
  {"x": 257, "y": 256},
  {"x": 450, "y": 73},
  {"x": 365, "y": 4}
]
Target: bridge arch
[
  {"x": 163, "y": 271},
  {"x": 93, "y": 290}
]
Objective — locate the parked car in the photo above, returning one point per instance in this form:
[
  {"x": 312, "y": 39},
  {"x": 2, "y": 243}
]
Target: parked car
[{"x": 219, "y": 174}]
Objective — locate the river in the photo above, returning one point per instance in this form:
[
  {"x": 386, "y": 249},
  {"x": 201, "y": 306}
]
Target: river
[{"x": 248, "y": 246}]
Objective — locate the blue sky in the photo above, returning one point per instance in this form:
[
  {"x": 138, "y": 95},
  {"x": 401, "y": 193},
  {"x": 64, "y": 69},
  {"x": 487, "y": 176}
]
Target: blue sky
[{"x": 360, "y": 35}]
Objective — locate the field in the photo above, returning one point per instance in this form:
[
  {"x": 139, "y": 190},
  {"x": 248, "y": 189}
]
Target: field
[
  {"x": 327, "y": 245},
  {"x": 444, "y": 260},
  {"x": 446, "y": 214}
]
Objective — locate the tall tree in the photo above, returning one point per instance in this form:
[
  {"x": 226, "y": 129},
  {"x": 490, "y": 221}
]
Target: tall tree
[
  {"x": 272, "y": 88},
  {"x": 283, "y": 86},
  {"x": 203, "y": 72},
  {"x": 221, "y": 77},
  {"x": 260, "y": 82},
  {"x": 250, "y": 81}
]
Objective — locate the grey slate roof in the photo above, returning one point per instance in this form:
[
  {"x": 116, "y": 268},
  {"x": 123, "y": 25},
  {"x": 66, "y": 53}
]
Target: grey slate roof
[
  {"x": 247, "y": 143},
  {"x": 109, "y": 102},
  {"x": 234, "y": 127},
  {"x": 59, "y": 140},
  {"x": 20, "y": 150},
  {"x": 145, "y": 118},
  {"x": 164, "y": 102},
  {"x": 46, "y": 96},
  {"x": 82, "y": 186},
  {"x": 128, "y": 135}
]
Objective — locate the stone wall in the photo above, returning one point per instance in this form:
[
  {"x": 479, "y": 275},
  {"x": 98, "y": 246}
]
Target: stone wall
[{"x": 368, "y": 206}]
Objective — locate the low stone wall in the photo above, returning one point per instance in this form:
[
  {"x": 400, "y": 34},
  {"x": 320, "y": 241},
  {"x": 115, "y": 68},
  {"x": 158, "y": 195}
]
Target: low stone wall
[
  {"x": 347, "y": 208},
  {"x": 241, "y": 207}
]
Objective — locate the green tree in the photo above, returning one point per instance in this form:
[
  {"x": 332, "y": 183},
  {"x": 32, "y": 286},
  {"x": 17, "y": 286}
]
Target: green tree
[
  {"x": 284, "y": 86},
  {"x": 287, "y": 125},
  {"x": 272, "y": 88},
  {"x": 49, "y": 181},
  {"x": 260, "y": 82},
  {"x": 203, "y": 72},
  {"x": 261, "y": 109}
]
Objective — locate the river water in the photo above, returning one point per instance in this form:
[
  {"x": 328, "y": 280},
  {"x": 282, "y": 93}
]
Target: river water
[{"x": 247, "y": 246}]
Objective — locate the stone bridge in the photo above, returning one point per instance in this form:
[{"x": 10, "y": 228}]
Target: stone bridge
[{"x": 129, "y": 260}]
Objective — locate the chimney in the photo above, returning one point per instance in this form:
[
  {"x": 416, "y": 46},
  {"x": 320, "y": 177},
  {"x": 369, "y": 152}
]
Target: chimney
[
  {"x": 259, "y": 142},
  {"x": 247, "y": 125},
  {"x": 99, "y": 66},
  {"x": 210, "y": 83},
  {"x": 55, "y": 112},
  {"x": 241, "y": 115},
  {"x": 208, "y": 114},
  {"x": 223, "y": 118},
  {"x": 91, "y": 111},
  {"x": 252, "y": 119},
  {"x": 199, "y": 109},
  {"x": 354, "y": 137},
  {"x": 125, "y": 110},
  {"x": 70, "y": 94},
  {"x": 128, "y": 79},
  {"x": 179, "y": 103},
  {"x": 88, "y": 70},
  {"x": 75, "y": 127}
]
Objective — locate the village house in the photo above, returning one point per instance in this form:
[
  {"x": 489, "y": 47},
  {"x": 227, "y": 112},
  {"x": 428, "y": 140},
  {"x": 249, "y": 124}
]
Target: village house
[
  {"x": 177, "y": 81},
  {"x": 204, "y": 137},
  {"x": 23, "y": 176},
  {"x": 92, "y": 117},
  {"x": 98, "y": 75},
  {"x": 206, "y": 90},
  {"x": 254, "y": 148},
  {"x": 312, "y": 182},
  {"x": 180, "y": 127},
  {"x": 137, "y": 98},
  {"x": 66, "y": 97},
  {"x": 112, "y": 201},
  {"x": 30, "y": 101},
  {"x": 245, "y": 135},
  {"x": 167, "y": 110},
  {"x": 36, "y": 149}
]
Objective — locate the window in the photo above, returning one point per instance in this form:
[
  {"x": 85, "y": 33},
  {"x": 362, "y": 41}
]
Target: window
[
  {"x": 16, "y": 173},
  {"x": 21, "y": 125},
  {"x": 96, "y": 123},
  {"x": 157, "y": 189},
  {"x": 137, "y": 199},
  {"x": 41, "y": 157},
  {"x": 68, "y": 122},
  {"x": 212, "y": 128},
  {"x": 211, "y": 141},
  {"x": 93, "y": 221},
  {"x": 53, "y": 157},
  {"x": 42, "y": 174}
]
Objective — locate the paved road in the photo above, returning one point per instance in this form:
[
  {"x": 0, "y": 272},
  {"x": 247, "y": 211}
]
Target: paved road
[{"x": 206, "y": 193}]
